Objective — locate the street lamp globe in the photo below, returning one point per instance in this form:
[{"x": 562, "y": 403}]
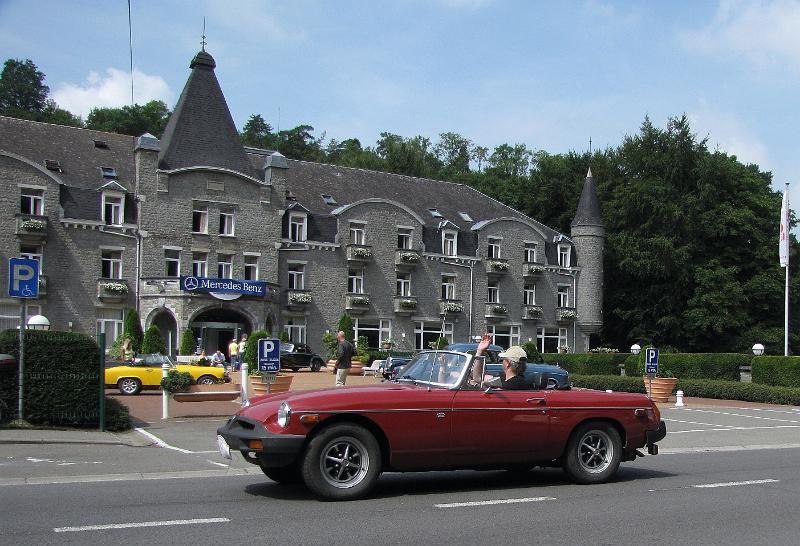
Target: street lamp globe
[
  {"x": 758, "y": 349},
  {"x": 38, "y": 322},
  {"x": 635, "y": 349}
]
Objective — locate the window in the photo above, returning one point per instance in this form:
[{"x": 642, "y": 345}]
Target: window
[
  {"x": 224, "y": 266},
  {"x": 428, "y": 332},
  {"x": 250, "y": 267},
  {"x": 530, "y": 252},
  {"x": 449, "y": 243},
  {"x": 199, "y": 264},
  {"x": 494, "y": 247},
  {"x": 404, "y": 238},
  {"x": 529, "y": 294},
  {"x": 549, "y": 341},
  {"x": 108, "y": 172},
  {"x": 296, "y": 328},
  {"x": 403, "y": 284},
  {"x": 53, "y": 165},
  {"x": 375, "y": 332},
  {"x": 448, "y": 287},
  {"x": 355, "y": 281},
  {"x": 101, "y": 144},
  {"x": 112, "y": 209},
  {"x": 31, "y": 201},
  {"x": 297, "y": 227},
  {"x": 493, "y": 292},
  {"x": 435, "y": 212},
  {"x": 297, "y": 276},
  {"x": 563, "y": 296},
  {"x": 200, "y": 219},
  {"x": 328, "y": 199},
  {"x": 466, "y": 217},
  {"x": 172, "y": 262},
  {"x": 563, "y": 255},
  {"x": 226, "y": 222},
  {"x": 109, "y": 322},
  {"x": 357, "y": 232},
  {"x": 111, "y": 264},
  {"x": 505, "y": 336},
  {"x": 31, "y": 252}
]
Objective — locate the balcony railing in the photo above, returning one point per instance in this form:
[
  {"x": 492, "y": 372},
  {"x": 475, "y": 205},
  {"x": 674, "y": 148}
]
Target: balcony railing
[
  {"x": 532, "y": 312},
  {"x": 450, "y": 307},
  {"x": 531, "y": 269},
  {"x": 405, "y": 305},
  {"x": 406, "y": 258},
  {"x": 298, "y": 299},
  {"x": 496, "y": 310},
  {"x": 496, "y": 266},
  {"x": 566, "y": 314},
  {"x": 113, "y": 289},
  {"x": 32, "y": 228},
  {"x": 357, "y": 303},
  {"x": 359, "y": 253}
]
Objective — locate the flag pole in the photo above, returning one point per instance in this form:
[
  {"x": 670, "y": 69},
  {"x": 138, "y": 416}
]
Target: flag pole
[{"x": 786, "y": 290}]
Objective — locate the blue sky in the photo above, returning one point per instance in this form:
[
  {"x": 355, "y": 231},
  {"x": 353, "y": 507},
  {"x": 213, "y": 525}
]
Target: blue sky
[{"x": 547, "y": 74}]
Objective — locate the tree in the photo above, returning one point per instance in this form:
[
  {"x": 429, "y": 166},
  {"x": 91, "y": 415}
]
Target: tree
[
  {"x": 153, "y": 342},
  {"x": 258, "y": 133},
  {"x": 454, "y": 152},
  {"x": 188, "y": 342},
  {"x": 132, "y": 328},
  {"x": 133, "y": 120},
  {"x": 346, "y": 325},
  {"x": 507, "y": 161},
  {"x": 22, "y": 88}
]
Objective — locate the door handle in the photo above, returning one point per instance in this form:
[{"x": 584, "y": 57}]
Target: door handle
[{"x": 539, "y": 401}]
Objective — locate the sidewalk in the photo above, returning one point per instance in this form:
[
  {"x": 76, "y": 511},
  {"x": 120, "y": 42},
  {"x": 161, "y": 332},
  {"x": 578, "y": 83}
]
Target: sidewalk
[{"x": 71, "y": 436}]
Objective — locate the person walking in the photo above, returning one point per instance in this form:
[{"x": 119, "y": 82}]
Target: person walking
[
  {"x": 242, "y": 347},
  {"x": 233, "y": 354},
  {"x": 344, "y": 355}
]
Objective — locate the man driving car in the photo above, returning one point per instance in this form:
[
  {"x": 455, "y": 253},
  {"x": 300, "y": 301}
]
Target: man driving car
[{"x": 514, "y": 359}]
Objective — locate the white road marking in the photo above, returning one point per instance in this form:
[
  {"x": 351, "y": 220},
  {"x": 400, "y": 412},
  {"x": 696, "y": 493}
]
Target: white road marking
[
  {"x": 216, "y": 463},
  {"x": 695, "y": 423},
  {"x": 734, "y": 484},
  {"x": 719, "y": 449},
  {"x": 740, "y": 415},
  {"x": 139, "y": 524},
  {"x": 159, "y": 442},
  {"x": 493, "y": 502},
  {"x": 728, "y": 428},
  {"x": 133, "y": 476}
]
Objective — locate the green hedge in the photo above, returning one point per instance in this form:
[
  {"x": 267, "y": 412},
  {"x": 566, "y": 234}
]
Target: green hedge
[
  {"x": 587, "y": 363},
  {"x": 698, "y": 388},
  {"x": 781, "y": 371},
  {"x": 721, "y": 366},
  {"x": 61, "y": 377}
]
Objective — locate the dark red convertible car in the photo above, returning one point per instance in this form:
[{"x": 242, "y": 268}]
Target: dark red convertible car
[{"x": 438, "y": 415}]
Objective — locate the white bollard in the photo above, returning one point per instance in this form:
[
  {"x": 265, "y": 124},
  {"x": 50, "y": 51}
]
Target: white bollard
[
  {"x": 244, "y": 376},
  {"x": 164, "y": 394},
  {"x": 679, "y": 399}
]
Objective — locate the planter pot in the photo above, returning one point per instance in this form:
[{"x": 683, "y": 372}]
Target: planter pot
[
  {"x": 356, "y": 367},
  {"x": 282, "y": 384},
  {"x": 662, "y": 388},
  {"x": 208, "y": 393}
]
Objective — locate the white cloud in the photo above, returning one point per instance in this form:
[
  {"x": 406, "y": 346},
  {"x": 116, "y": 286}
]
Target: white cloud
[
  {"x": 764, "y": 34},
  {"x": 727, "y": 134},
  {"x": 113, "y": 89}
]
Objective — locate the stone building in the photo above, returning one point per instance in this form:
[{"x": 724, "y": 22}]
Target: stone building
[{"x": 196, "y": 231}]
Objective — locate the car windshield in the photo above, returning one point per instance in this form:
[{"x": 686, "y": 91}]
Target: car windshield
[
  {"x": 287, "y": 347},
  {"x": 439, "y": 368}
]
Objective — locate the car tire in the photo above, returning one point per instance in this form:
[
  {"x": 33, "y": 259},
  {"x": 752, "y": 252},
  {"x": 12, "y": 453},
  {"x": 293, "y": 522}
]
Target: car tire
[
  {"x": 285, "y": 475},
  {"x": 342, "y": 462},
  {"x": 129, "y": 386},
  {"x": 593, "y": 453},
  {"x": 316, "y": 365},
  {"x": 206, "y": 380}
]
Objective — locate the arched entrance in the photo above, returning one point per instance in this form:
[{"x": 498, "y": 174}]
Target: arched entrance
[
  {"x": 216, "y": 328},
  {"x": 168, "y": 328}
]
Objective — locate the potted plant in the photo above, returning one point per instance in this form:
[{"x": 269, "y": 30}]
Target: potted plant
[
  {"x": 387, "y": 344},
  {"x": 660, "y": 388}
]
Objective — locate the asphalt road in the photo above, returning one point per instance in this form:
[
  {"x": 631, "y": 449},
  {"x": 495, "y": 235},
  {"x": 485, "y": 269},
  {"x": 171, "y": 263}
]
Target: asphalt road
[{"x": 725, "y": 476}]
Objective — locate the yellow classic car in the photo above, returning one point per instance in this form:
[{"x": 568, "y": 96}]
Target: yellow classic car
[{"x": 145, "y": 372}]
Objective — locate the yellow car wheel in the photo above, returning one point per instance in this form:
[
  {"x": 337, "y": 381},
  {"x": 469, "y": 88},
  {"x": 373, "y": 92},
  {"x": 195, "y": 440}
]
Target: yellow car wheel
[{"x": 129, "y": 385}]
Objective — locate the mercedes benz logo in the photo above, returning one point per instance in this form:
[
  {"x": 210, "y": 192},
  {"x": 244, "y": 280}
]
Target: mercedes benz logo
[{"x": 191, "y": 283}]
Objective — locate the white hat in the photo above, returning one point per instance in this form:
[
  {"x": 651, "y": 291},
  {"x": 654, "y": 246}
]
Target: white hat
[{"x": 514, "y": 353}]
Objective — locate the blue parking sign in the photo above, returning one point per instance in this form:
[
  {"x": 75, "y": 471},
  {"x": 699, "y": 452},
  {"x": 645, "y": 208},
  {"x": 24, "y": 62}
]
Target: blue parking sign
[
  {"x": 651, "y": 361},
  {"x": 269, "y": 355},
  {"x": 23, "y": 278}
]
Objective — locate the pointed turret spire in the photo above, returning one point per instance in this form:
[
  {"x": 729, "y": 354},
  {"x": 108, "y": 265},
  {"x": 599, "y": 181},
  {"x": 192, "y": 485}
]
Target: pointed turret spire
[
  {"x": 588, "y": 212},
  {"x": 201, "y": 132}
]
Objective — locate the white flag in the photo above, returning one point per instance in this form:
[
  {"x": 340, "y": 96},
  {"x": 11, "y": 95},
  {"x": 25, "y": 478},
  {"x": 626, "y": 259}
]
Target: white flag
[{"x": 783, "y": 241}]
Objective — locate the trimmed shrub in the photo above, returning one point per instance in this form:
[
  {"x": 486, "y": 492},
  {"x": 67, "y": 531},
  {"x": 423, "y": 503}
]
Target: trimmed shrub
[
  {"x": 345, "y": 325},
  {"x": 588, "y": 363},
  {"x": 251, "y": 349},
  {"x": 153, "y": 342},
  {"x": 61, "y": 377},
  {"x": 532, "y": 351},
  {"x": 132, "y": 328},
  {"x": 780, "y": 371},
  {"x": 330, "y": 342},
  {"x": 176, "y": 381},
  {"x": 188, "y": 342},
  {"x": 719, "y": 366}
]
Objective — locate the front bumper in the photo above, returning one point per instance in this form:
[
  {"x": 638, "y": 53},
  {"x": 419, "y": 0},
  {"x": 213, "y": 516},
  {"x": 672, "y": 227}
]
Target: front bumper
[
  {"x": 654, "y": 436},
  {"x": 279, "y": 449}
]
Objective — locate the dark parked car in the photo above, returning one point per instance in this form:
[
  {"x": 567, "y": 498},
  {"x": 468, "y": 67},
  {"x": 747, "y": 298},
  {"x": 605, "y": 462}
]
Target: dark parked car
[
  {"x": 394, "y": 364},
  {"x": 299, "y": 355},
  {"x": 537, "y": 374}
]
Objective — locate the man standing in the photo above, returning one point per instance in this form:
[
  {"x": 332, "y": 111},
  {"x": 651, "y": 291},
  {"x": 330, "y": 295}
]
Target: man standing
[
  {"x": 242, "y": 347},
  {"x": 344, "y": 354},
  {"x": 233, "y": 353}
]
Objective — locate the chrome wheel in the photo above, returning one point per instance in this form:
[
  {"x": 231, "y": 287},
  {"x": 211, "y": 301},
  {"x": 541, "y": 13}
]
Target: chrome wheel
[
  {"x": 595, "y": 452},
  {"x": 206, "y": 380},
  {"x": 129, "y": 385},
  {"x": 344, "y": 462}
]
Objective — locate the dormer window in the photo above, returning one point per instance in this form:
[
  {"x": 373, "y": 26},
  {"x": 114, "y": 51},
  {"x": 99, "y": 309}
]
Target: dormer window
[
  {"x": 101, "y": 144},
  {"x": 329, "y": 200},
  {"x": 564, "y": 255},
  {"x": 108, "y": 172},
  {"x": 297, "y": 227},
  {"x": 450, "y": 243},
  {"x": 435, "y": 212},
  {"x": 53, "y": 165},
  {"x": 113, "y": 208},
  {"x": 466, "y": 217}
]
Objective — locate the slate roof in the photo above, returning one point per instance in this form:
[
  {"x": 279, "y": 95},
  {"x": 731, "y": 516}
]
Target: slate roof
[
  {"x": 201, "y": 132},
  {"x": 588, "y": 212}
]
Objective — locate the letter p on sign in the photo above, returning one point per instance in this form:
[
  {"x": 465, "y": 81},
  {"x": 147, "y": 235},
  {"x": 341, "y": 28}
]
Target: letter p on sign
[{"x": 23, "y": 278}]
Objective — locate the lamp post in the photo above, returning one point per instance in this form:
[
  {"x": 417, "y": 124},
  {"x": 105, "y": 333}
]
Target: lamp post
[
  {"x": 635, "y": 349},
  {"x": 758, "y": 349},
  {"x": 38, "y": 322}
]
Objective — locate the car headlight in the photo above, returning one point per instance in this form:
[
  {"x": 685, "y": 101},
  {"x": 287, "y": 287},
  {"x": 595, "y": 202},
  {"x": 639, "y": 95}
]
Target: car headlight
[{"x": 284, "y": 413}]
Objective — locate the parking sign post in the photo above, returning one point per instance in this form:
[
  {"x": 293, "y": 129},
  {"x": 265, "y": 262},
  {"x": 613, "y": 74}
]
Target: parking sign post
[
  {"x": 269, "y": 360},
  {"x": 23, "y": 283},
  {"x": 651, "y": 367}
]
